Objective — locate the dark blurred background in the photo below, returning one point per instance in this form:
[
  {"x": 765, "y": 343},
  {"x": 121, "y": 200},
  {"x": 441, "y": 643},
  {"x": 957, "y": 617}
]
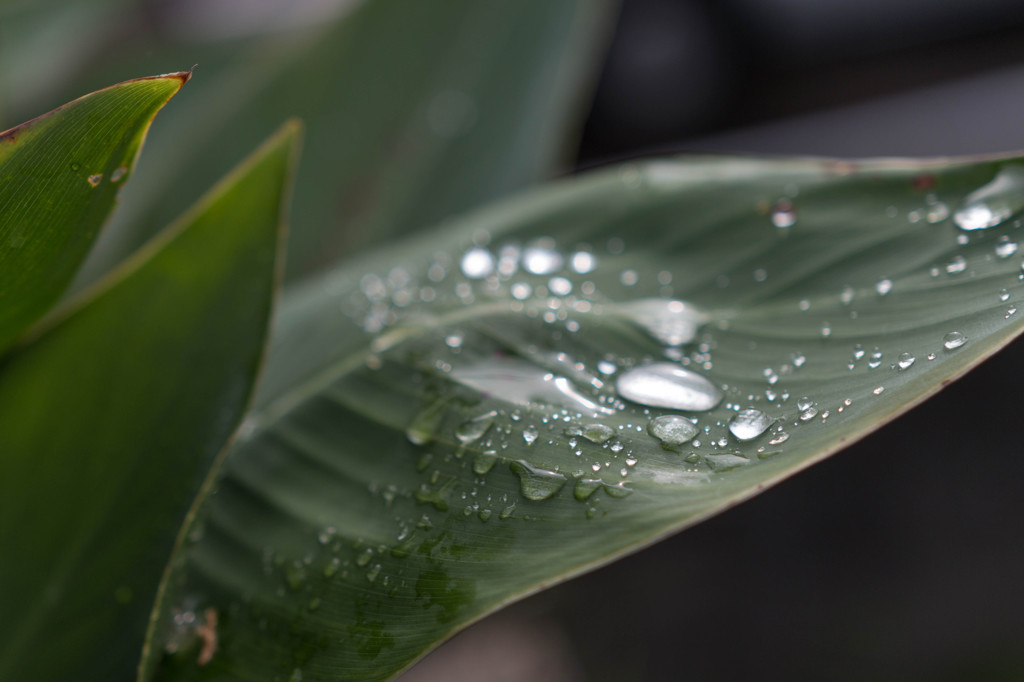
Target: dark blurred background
[{"x": 900, "y": 558}]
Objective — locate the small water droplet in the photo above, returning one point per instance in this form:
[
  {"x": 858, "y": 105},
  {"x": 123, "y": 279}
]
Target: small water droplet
[
  {"x": 118, "y": 174},
  {"x": 629, "y": 277},
  {"x": 672, "y": 322},
  {"x": 803, "y": 403},
  {"x": 883, "y": 287},
  {"x": 605, "y": 367},
  {"x": 993, "y": 203},
  {"x": 583, "y": 262},
  {"x": 778, "y": 438},
  {"x": 530, "y": 434},
  {"x": 559, "y": 286},
  {"x": 957, "y": 265},
  {"x": 672, "y": 430},
  {"x": 878, "y": 390},
  {"x": 826, "y": 330},
  {"x": 95, "y": 180},
  {"x": 540, "y": 258},
  {"x": 536, "y": 483},
  {"x": 472, "y": 429},
  {"x": 953, "y": 339},
  {"x": 1010, "y": 312},
  {"x": 584, "y": 488},
  {"x": 75, "y": 166},
  {"x": 1004, "y": 295},
  {"x": 477, "y": 263},
  {"x": 783, "y": 214},
  {"x": 667, "y": 385},
  {"x": 484, "y": 462},
  {"x": 904, "y": 361},
  {"x": 1005, "y": 247},
  {"x": 749, "y": 423},
  {"x": 809, "y": 414}
]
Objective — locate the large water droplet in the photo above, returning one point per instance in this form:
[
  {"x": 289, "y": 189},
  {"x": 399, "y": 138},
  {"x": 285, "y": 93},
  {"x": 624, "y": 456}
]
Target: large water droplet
[
  {"x": 993, "y": 203},
  {"x": 953, "y": 340},
  {"x": 584, "y": 488},
  {"x": 536, "y": 483},
  {"x": 749, "y": 424},
  {"x": 484, "y": 462},
  {"x": 425, "y": 424},
  {"x": 672, "y": 322},
  {"x": 667, "y": 385},
  {"x": 672, "y": 430},
  {"x": 597, "y": 432},
  {"x": 522, "y": 382},
  {"x": 904, "y": 361}
]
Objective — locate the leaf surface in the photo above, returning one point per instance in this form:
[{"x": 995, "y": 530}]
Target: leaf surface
[
  {"x": 59, "y": 179},
  {"x": 111, "y": 415},
  {"x": 453, "y": 423}
]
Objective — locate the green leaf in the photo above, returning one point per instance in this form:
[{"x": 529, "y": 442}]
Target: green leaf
[
  {"x": 110, "y": 417},
  {"x": 420, "y": 110},
  {"x": 452, "y": 424},
  {"x": 59, "y": 178}
]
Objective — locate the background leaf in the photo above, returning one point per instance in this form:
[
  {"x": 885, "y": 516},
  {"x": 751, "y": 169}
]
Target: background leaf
[
  {"x": 59, "y": 178},
  {"x": 110, "y": 418},
  {"x": 452, "y": 437},
  {"x": 420, "y": 111}
]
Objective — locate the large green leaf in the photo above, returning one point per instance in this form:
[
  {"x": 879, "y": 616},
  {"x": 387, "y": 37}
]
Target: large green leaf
[
  {"x": 60, "y": 175},
  {"x": 459, "y": 421},
  {"x": 419, "y": 110},
  {"x": 111, "y": 416}
]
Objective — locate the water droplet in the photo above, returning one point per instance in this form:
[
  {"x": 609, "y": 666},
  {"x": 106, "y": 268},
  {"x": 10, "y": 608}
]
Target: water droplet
[
  {"x": 904, "y": 361},
  {"x": 957, "y": 265},
  {"x": 809, "y": 414},
  {"x": 118, "y": 174},
  {"x": 672, "y": 322},
  {"x": 583, "y": 262},
  {"x": 883, "y": 287},
  {"x": 878, "y": 390},
  {"x": 540, "y": 258},
  {"x": 454, "y": 340},
  {"x": 937, "y": 212},
  {"x": 619, "y": 489},
  {"x": 75, "y": 166},
  {"x": 477, "y": 263},
  {"x": 484, "y": 462},
  {"x": 95, "y": 180},
  {"x": 559, "y": 286},
  {"x": 783, "y": 214},
  {"x": 424, "y": 425},
  {"x": 725, "y": 462},
  {"x": 519, "y": 381},
  {"x": 521, "y": 291},
  {"x": 597, "y": 432},
  {"x": 1005, "y": 247},
  {"x": 1010, "y": 312},
  {"x": 749, "y": 423},
  {"x": 1004, "y": 295},
  {"x": 536, "y": 483},
  {"x": 667, "y": 385},
  {"x": 778, "y": 438},
  {"x": 993, "y": 203},
  {"x": 804, "y": 403},
  {"x": 584, "y": 488},
  {"x": 826, "y": 330},
  {"x": 760, "y": 275},
  {"x": 672, "y": 430},
  {"x": 530, "y": 434},
  {"x": 472, "y": 429},
  {"x": 953, "y": 340},
  {"x": 876, "y": 359},
  {"x": 629, "y": 278},
  {"x": 606, "y": 367}
]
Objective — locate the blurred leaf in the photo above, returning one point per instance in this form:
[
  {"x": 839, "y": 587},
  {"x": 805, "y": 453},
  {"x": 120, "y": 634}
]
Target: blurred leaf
[
  {"x": 420, "y": 110},
  {"x": 451, "y": 424},
  {"x": 59, "y": 178},
  {"x": 110, "y": 417}
]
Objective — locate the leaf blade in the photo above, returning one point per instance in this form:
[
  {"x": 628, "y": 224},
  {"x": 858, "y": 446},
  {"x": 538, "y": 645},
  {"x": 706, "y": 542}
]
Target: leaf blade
[
  {"x": 59, "y": 176},
  {"x": 138, "y": 423},
  {"x": 393, "y": 520}
]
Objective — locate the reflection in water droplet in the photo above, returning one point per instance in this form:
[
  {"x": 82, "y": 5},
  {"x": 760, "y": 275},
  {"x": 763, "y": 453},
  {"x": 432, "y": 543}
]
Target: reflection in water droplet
[
  {"x": 536, "y": 483},
  {"x": 904, "y": 361},
  {"x": 672, "y": 322},
  {"x": 477, "y": 263},
  {"x": 954, "y": 339},
  {"x": 667, "y": 385},
  {"x": 672, "y": 430},
  {"x": 749, "y": 424}
]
